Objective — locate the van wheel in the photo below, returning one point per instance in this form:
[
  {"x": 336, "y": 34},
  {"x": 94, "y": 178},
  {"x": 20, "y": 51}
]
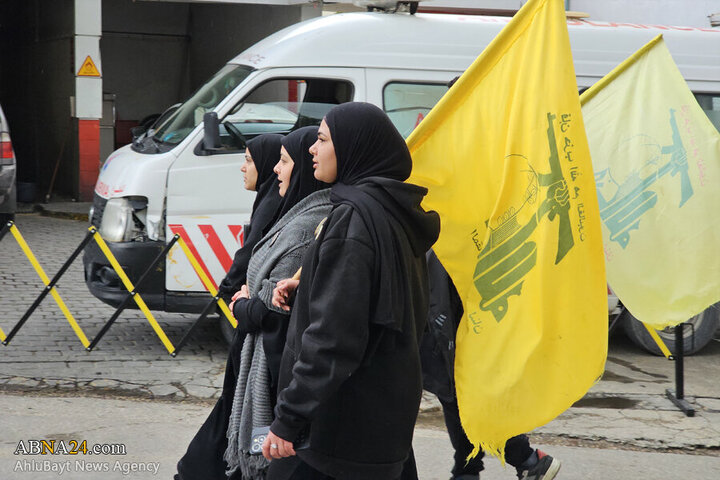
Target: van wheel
[
  {"x": 697, "y": 332},
  {"x": 227, "y": 330}
]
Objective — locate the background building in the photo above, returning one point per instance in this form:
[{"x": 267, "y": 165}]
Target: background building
[
  {"x": 144, "y": 56},
  {"x": 76, "y": 75}
]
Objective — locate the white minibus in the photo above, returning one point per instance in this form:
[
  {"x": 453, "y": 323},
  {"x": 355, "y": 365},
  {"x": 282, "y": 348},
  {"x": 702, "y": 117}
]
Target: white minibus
[{"x": 184, "y": 179}]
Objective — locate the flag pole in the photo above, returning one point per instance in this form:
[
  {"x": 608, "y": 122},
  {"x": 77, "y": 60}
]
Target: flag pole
[{"x": 678, "y": 396}]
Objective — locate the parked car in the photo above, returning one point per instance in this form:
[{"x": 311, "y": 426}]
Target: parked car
[
  {"x": 698, "y": 331},
  {"x": 8, "y": 169}
]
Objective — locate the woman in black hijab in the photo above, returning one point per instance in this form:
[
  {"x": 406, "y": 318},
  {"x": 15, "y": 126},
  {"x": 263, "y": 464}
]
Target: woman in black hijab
[
  {"x": 350, "y": 380},
  {"x": 261, "y": 155},
  {"x": 223, "y": 446}
]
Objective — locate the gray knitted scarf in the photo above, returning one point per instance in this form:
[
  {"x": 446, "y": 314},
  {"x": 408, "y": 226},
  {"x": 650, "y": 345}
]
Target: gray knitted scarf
[{"x": 251, "y": 407}]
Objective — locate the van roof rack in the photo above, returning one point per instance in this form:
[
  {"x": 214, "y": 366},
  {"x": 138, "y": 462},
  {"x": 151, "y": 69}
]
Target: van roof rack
[
  {"x": 390, "y": 6},
  {"x": 490, "y": 12}
]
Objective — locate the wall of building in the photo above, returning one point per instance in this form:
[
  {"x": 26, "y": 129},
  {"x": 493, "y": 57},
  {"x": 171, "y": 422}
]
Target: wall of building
[
  {"x": 221, "y": 32},
  {"x": 152, "y": 55},
  {"x": 144, "y": 47},
  {"x": 36, "y": 83},
  {"x": 156, "y": 53}
]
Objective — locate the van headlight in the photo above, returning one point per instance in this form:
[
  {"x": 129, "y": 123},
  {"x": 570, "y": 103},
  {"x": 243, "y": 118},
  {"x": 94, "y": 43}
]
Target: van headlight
[{"x": 117, "y": 222}]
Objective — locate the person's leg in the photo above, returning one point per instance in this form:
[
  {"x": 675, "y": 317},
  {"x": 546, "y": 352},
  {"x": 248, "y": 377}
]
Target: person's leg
[
  {"x": 530, "y": 464},
  {"x": 409, "y": 471},
  {"x": 204, "y": 456},
  {"x": 460, "y": 443},
  {"x": 518, "y": 450}
]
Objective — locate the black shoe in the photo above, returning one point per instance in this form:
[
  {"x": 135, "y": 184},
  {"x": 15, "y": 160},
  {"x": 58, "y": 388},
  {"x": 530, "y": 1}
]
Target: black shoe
[{"x": 545, "y": 469}]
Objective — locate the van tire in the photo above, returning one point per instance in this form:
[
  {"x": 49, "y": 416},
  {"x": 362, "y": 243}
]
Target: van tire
[
  {"x": 227, "y": 330},
  {"x": 705, "y": 324}
]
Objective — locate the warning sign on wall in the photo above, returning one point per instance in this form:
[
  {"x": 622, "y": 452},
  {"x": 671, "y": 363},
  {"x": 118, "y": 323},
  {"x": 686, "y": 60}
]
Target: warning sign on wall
[{"x": 88, "y": 69}]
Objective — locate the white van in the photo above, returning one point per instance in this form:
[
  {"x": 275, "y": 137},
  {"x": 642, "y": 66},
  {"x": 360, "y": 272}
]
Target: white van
[{"x": 186, "y": 179}]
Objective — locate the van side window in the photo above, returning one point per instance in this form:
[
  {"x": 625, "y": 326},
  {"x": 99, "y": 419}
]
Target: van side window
[
  {"x": 281, "y": 106},
  {"x": 710, "y": 103},
  {"x": 407, "y": 103}
]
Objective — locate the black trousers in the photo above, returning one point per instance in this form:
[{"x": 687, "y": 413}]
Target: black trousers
[
  {"x": 204, "y": 457},
  {"x": 517, "y": 449}
]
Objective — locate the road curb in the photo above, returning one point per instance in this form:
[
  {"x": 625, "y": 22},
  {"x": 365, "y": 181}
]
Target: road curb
[{"x": 46, "y": 212}]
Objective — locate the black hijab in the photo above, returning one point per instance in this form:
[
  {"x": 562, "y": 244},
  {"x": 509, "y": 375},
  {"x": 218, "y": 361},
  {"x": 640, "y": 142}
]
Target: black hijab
[
  {"x": 372, "y": 163},
  {"x": 367, "y": 144},
  {"x": 302, "y": 179},
  {"x": 265, "y": 150}
]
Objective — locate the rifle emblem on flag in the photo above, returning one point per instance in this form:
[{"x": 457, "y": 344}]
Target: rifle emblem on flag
[
  {"x": 633, "y": 198},
  {"x": 510, "y": 254}
]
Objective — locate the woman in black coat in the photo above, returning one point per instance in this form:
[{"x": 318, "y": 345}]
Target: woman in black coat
[{"x": 350, "y": 380}]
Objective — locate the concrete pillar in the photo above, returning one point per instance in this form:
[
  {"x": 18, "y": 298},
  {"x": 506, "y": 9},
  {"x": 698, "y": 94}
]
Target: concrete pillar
[{"x": 88, "y": 92}]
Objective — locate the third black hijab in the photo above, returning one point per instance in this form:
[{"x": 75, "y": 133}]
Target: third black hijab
[{"x": 265, "y": 151}]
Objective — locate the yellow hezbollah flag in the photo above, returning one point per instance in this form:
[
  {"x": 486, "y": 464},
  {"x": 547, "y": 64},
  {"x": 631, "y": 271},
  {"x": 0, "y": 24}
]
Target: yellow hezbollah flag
[
  {"x": 506, "y": 162},
  {"x": 656, "y": 158}
]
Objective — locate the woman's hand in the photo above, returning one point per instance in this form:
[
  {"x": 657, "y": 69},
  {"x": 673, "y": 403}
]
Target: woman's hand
[
  {"x": 276, "y": 447},
  {"x": 242, "y": 293},
  {"x": 284, "y": 289}
]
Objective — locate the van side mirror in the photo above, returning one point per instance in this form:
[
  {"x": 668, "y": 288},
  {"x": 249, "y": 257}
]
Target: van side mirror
[
  {"x": 211, "y": 138},
  {"x": 137, "y": 133}
]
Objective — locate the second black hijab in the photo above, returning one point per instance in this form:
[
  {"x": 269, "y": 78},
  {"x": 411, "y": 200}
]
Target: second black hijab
[{"x": 302, "y": 179}]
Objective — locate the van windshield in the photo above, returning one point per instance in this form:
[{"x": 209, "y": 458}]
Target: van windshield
[{"x": 205, "y": 99}]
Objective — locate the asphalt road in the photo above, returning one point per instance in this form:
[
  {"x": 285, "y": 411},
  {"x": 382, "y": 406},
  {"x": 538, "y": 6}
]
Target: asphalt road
[{"x": 158, "y": 433}]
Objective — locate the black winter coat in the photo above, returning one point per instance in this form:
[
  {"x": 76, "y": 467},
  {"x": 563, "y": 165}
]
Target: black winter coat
[{"x": 351, "y": 388}]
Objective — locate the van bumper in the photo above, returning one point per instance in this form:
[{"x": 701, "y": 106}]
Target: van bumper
[{"x": 135, "y": 257}]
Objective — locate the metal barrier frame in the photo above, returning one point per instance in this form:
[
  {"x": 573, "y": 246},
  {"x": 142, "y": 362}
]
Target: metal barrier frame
[
  {"x": 132, "y": 290},
  {"x": 49, "y": 285}
]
